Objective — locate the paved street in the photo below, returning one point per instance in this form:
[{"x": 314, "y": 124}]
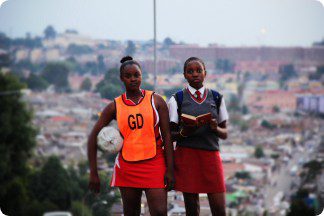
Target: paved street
[{"x": 282, "y": 180}]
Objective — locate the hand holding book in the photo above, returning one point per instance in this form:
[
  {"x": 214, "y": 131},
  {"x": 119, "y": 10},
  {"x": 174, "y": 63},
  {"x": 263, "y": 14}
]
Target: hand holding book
[
  {"x": 193, "y": 121},
  {"x": 187, "y": 130},
  {"x": 213, "y": 125}
]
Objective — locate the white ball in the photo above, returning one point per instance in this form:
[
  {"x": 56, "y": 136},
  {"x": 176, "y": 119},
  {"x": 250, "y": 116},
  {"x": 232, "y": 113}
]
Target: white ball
[{"x": 109, "y": 140}]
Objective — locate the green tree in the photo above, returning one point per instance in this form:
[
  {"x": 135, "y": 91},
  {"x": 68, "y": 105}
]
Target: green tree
[
  {"x": 234, "y": 103},
  {"x": 55, "y": 184},
  {"x": 36, "y": 82},
  {"x": 286, "y": 72},
  {"x": 244, "y": 126},
  {"x": 276, "y": 109},
  {"x": 111, "y": 86},
  {"x": 243, "y": 175},
  {"x": 298, "y": 206},
  {"x": 90, "y": 67},
  {"x": 245, "y": 110},
  {"x": 169, "y": 92},
  {"x": 319, "y": 43},
  {"x": 75, "y": 49},
  {"x": 86, "y": 85},
  {"x": 49, "y": 32},
  {"x": 318, "y": 75},
  {"x": 102, "y": 204},
  {"x": 109, "y": 90},
  {"x": 130, "y": 49},
  {"x": 313, "y": 169},
  {"x": 57, "y": 74},
  {"x": 224, "y": 65},
  {"x": 167, "y": 42},
  {"x": 5, "y": 60},
  {"x": 78, "y": 209},
  {"x": 4, "y": 41},
  {"x": 274, "y": 156},
  {"x": 258, "y": 152},
  {"x": 147, "y": 86},
  {"x": 267, "y": 124},
  {"x": 17, "y": 138},
  {"x": 101, "y": 64}
]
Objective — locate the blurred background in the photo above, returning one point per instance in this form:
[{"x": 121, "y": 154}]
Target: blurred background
[{"x": 59, "y": 67}]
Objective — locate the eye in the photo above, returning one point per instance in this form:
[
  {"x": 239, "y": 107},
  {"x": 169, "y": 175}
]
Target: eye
[
  {"x": 199, "y": 70},
  {"x": 190, "y": 71},
  {"x": 127, "y": 76}
]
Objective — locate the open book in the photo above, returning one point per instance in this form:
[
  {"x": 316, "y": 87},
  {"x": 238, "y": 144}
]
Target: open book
[{"x": 198, "y": 121}]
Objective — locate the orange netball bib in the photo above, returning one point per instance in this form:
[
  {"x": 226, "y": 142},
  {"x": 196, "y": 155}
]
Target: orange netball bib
[{"x": 136, "y": 124}]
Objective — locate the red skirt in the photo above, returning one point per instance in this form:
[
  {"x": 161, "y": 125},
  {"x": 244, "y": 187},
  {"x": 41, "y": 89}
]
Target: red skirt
[
  {"x": 198, "y": 171},
  {"x": 141, "y": 174}
]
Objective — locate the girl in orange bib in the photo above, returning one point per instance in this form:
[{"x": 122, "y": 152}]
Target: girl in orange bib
[{"x": 145, "y": 162}]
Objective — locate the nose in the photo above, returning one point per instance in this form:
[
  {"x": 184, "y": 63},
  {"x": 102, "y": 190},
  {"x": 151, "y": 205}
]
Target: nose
[
  {"x": 133, "y": 78},
  {"x": 195, "y": 73}
]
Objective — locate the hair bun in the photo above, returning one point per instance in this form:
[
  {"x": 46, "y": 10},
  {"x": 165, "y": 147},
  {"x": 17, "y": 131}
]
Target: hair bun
[{"x": 126, "y": 58}]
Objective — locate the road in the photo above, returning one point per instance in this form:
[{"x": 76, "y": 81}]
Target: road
[{"x": 281, "y": 180}]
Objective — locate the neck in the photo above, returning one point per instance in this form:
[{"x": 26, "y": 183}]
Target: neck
[
  {"x": 197, "y": 87},
  {"x": 133, "y": 93}
]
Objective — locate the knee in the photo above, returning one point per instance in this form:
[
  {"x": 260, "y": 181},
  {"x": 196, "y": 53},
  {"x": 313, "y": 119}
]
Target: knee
[
  {"x": 159, "y": 211},
  {"x": 218, "y": 209},
  {"x": 132, "y": 211}
]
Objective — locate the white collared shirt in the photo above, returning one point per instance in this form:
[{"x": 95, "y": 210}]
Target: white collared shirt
[
  {"x": 173, "y": 107},
  {"x": 193, "y": 90}
]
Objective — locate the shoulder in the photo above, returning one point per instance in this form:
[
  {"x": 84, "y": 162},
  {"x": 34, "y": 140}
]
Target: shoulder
[
  {"x": 214, "y": 92},
  {"x": 108, "y": 113},
  {"x": 158, "y": 98},
  {"x": 110, "y": 108}
]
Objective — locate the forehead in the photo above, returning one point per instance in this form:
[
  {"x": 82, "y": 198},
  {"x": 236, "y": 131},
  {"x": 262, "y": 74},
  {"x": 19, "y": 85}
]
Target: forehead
[
  {"x": 130, "y": 68},
  {"x": 195, "y": 64}
]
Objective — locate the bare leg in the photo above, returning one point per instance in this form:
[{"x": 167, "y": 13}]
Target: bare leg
[
  {"x": 131, "y": 200},
  {"x": 192, "y": 204},
  {"x": 217, "y": 204},
  {"x": 157, "y": 201}
]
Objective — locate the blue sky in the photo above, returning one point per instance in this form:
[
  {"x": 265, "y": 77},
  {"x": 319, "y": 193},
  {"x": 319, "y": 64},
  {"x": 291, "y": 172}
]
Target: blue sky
[{"x": 225, "y": 22}]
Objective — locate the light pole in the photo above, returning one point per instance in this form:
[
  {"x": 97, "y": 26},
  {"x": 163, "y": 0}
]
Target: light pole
[{"x": 155, "y": 68}]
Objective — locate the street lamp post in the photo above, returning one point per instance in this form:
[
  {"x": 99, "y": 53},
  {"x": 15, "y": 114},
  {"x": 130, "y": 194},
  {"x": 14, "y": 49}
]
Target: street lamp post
[{"x": 155, "y": 68}]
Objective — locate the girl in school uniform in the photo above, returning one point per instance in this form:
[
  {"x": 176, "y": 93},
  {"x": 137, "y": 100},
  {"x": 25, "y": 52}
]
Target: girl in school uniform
[
  {"x": 198, "y": 165},
  {"x": 145, "y": 162}
]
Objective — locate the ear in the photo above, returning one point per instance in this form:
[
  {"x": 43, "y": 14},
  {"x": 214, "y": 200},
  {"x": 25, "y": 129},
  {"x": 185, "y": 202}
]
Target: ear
[
  {"x": 184, "y": 75},
  {"x": 205, "y": 72}
]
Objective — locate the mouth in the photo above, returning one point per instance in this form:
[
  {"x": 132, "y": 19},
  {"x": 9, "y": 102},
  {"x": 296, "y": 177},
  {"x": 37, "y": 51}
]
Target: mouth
[
  {"x": 133, "y": 84},
  {"x": 197, "y": 80}
]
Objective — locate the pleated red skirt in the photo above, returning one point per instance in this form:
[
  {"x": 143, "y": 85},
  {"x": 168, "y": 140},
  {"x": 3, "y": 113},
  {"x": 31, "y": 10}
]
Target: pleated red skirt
[
  {"x": 141, "y": 174},
  {"x": 198, "y": 171}
]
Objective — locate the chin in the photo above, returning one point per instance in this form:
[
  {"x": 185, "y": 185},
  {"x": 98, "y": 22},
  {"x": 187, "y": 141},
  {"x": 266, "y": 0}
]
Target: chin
[
  {"x": 133, "y": 88},
  {"x": 196, "y": 84}
]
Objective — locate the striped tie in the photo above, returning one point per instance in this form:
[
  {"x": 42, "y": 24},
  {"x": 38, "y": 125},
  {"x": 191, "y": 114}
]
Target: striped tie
[{"x": 198, "y": 95}]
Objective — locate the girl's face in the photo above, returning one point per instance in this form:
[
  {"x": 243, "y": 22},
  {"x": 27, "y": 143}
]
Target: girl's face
[
  {"x": 131, "y": 77},
  {"x": 195, "y": 74}
]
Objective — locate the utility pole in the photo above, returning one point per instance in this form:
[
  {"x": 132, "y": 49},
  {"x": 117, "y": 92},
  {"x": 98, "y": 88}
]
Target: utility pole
[{"x": 155, "y": 67}]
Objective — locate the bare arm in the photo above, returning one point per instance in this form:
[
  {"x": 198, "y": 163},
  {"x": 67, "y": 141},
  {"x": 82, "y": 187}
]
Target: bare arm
[
  {"x": 175, "y": 131},
  {"x": 219, "y": 129},
  {"x": 107, "y": 115},
  {"x": 163, "y": 112}
]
